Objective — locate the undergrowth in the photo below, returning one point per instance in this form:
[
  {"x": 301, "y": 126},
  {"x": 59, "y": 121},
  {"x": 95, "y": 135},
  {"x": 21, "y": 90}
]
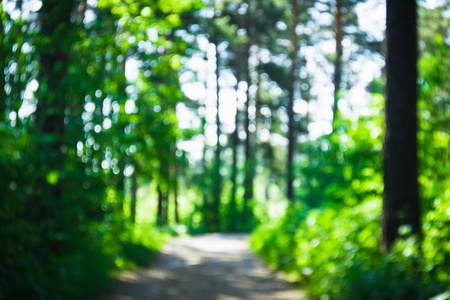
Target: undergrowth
[{"x": 336, "y": 253}]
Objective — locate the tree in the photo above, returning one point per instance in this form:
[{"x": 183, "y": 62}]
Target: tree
[
  {"x": 62, "y": 167},
  {"x": 339, "y": 34},
  {"x": 57, "y": 32},
  {"x": 401, "y": 196},
  {"x": 292, "y": 137},
  {"x": 134, "y": 188},
  {"x": 3, "y": 64},
  {"x": 232, "y": 207},
  {"x": 249, "y": 164},
  {"x": 345, "y": 27},
  {"x": 217, "y": 182}
]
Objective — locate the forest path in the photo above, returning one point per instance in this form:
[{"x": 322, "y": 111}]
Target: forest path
[{"x": 206, "y": 267}]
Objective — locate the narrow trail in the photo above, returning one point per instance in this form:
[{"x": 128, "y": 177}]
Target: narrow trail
[{"x": 207, "y": 267}]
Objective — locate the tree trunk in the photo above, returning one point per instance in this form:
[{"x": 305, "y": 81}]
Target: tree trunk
[
  {"x": 204, "y": 167},
  {"x": 50, "y": 158},
  {"x": 54, "y": 60},
  {"x": 339, "y": 34},
  {"x": 165, "y": 206},
  {"x": 217, "y": 177},
  {"x": 53, "y": 85},
  {"x": 258, "y": 122},
  {"x": 134, "y": 188},
  {"x": 120, "y": 186},
  {"x": 3, "y": 64},
  {"x": 175, "y": 195},
  {"x": 290, "y": 108},
  {"x": 234, "y": 147},
  {"x": 175, "y": 200},
  {"x": 401, "y": 198},
  {"x": 159, "y": 215},
  {"x": 249, "y": 164}
]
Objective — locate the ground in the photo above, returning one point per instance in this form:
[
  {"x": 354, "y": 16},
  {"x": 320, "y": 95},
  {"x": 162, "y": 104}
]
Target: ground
[{"x": 206, "y": 267}]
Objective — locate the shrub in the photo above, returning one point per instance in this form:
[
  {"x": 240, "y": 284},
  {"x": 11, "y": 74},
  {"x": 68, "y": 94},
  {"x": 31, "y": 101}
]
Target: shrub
[{"x": 336, "y": 253}]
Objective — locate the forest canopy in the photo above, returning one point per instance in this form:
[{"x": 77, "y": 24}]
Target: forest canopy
[{"x": 125, "y": 122}]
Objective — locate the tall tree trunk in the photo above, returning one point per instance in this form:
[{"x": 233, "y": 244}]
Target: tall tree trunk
[
  {"x": 401, "y": 198},
  {"x": 204, "y": 167},
  {"x": 3, "y": 64},
  {"x": 120, "y": 186},
  {"x": 249, "y": 163},
  {"x": 53, "y": 81},
  {"x": 159, "y": 215},
  {"x": 234, "y": 147},
  {"x": 54, "y": 60},
  {"x": 175, "y": 200},
  {"x": 134, "y": 188},
  {"x": 217, "y": 177},
  {"x": 290, "y": 109},
  {"x": 339, "y": 34},
  {"x": 51, "y": 154},
  {"x": 165, "y": 205},
  {"x": 258, "y": 120},
  {"x": 175, "y": 195}
]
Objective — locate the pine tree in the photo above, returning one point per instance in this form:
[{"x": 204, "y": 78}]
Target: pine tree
[{"x": 401, "y": 206}]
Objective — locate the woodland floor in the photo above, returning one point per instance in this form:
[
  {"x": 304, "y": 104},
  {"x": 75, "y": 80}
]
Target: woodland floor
[{"x": 206, "y": 267}]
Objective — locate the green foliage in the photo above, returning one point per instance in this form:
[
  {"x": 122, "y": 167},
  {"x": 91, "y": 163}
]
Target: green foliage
[
  {"x": 62, "y": 170},
  {"x": 334, "y": 248},
  {"x": 436, "y": 244},
  {"x": 76, "y": 133},
  {"x": 434, "y": 116},
  {"x": 345, "y": 166},
  {"x": 336, "y": 253},
  {"x": 140, "y": 245},
  {"x": 332, "y": 245}
]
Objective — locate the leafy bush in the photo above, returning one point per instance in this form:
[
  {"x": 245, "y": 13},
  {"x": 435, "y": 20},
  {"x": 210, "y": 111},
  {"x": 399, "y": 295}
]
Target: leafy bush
[
  {"x": 336, "y": 253},
  {"x": 436, "y": 242},
  {"x": 345, "y": 166},
  {"x": 142, "y": 244},
  {"x": 319, "y": 246},
  {"x": 68, "y": 255}
]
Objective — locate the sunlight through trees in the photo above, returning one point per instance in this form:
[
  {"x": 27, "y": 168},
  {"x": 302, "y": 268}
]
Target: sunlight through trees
[{"x": 126, "y": 122}]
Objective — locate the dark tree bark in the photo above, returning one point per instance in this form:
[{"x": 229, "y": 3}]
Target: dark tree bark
[
  {"x": 54, "y": 59},
  {"x": 290, "y": 108},
  {"x": 50, "y": 204},
  {"x": 159, "y": 215},
  {"x": 401, "y": 198},
  {"x": 339, "y": 35},
  {"x": 53, "y": 86},
  {"x": 120, "y": 186}
]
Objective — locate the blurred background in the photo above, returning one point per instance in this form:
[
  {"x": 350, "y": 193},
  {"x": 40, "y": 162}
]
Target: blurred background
[{"x": 126, "y": 122}]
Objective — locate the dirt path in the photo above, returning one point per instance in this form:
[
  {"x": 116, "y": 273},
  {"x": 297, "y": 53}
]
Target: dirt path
[{"x": 207, "y": 267}]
